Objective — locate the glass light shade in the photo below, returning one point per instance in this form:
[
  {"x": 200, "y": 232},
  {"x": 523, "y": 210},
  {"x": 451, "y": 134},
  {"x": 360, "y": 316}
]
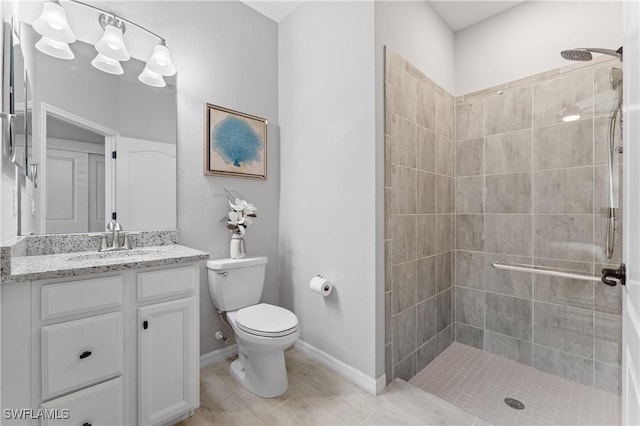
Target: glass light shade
[
  {"x": 54, "y": 48},
  {"x": 107, "y": 65},
  {"x": 160, "y": 61},
  {"x": 151, "y": 78},
  {"x": 52, "y": 24},
  {"x": 112, "y": 44}
]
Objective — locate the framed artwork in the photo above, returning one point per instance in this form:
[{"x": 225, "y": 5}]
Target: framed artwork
[{"x": 235, "y": 144}]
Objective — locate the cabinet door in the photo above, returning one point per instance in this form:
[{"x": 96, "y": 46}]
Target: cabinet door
[{"x": 167, "y": 360}]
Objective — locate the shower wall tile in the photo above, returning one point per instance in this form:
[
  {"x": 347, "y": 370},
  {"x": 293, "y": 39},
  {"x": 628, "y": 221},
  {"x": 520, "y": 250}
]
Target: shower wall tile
[
  {"x": 469, "y": 194},
  {"x": 563, "y": 364},
  {"x": 444, "y": 273},
  {"x": 509, "y": 111},
  {"x": 405, "y": 283},
  {"x": 388, "y": 146},
  {"x": 470, "y": 120},
  {"x": 552, "y": 99},
  {"x": 387, "y": 318},
  {"x": 566, "y": 237},
  {"x": 406, "y": 368},
  {"x": 601, "y": 189},
  {"x": 564, "y": 191},
  {"x": 508, "y": 193},
  {"x": 405, "y": 135},
  {"x": 601, "y": 140},
  {"x": 425, "y": 238},
  {"x": 469, "y": 306},
  {"x": 444, "y": 233},
  {"x": 426, "y": 323},
  {"x": 404, "y": 334},
  {"x": 469, "y": 269},
  {"x": 426, "y": 150},
  {"x": 564, "y": 291},
  {"x": 509, "y": 283},
  {"x": 565, "y": 328},
  {"x": 426, "y": 283},
  {"x": 444, "y": 194},
  {"x": 403, "y": 232},
  {"x": 444, "y": 114},
  {"x": 563, "y": 145},
  {"x": 426, "y": 107},
  {"x": 468, "y": 335},
  {"x": 507, "y": 315},
  {"x": 509, "y": 347},
  {"x": 403, "y": 182},
  {"x": 608, "y": 378},
  {"x": 509, "y": 152},
  {"x": 444, "y": 310},
  {"x": 426, "y": 197},
  {"x": 444, "y": 156},
  {"x": 508, "y": 234},
  {"x": 419, "y": 211},
  {"x": 470, "y": 232},
  {"x": 608, "y": 338},
  {"x": 425, "y": 354},
  {"x": 469, "y": 157},
  {"x": 607, "y": 299}
]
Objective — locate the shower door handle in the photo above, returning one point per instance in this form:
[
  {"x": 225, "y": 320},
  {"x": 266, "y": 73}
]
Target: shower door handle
[{"x": 619, "y": 273}]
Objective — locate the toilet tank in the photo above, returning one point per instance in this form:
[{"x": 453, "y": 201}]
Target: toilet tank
[{"x": 236, "y": 283}]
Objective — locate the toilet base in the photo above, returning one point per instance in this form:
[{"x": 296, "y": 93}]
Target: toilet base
[{"x": 263, "y": 373}]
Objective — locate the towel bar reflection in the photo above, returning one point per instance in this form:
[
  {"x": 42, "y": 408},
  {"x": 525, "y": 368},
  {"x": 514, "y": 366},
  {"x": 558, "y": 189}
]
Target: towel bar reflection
[{"x": 541, "y": 270}]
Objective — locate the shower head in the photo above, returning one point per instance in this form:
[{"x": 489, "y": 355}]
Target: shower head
[{"x": 584, "y": 53}]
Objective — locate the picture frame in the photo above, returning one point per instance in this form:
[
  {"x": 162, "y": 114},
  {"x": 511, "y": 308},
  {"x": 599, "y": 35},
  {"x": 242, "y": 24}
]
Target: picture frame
[{"x": 235, "y": 144}]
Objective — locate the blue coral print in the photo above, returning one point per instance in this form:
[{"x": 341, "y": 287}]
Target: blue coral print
[{"x": 236, "y": 142}]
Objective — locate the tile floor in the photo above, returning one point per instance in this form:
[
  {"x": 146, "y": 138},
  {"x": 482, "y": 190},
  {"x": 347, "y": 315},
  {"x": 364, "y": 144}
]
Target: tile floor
[
  {"x": 478, "y": 382},
  {"x": 317, "y": 396}
]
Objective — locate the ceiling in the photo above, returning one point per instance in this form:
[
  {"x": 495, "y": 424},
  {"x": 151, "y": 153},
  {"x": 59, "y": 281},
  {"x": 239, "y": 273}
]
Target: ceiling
[
  {"x": 457, "y": 14},
  {"x": 462, "y": 14}
]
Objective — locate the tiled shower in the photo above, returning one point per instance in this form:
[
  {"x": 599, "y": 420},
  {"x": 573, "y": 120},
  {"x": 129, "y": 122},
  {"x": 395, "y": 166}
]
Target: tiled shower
[{"x": 521, "y": 186}]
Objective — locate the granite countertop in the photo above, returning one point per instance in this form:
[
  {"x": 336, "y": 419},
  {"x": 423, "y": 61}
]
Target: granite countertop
[{"x": 31, "y": 268}]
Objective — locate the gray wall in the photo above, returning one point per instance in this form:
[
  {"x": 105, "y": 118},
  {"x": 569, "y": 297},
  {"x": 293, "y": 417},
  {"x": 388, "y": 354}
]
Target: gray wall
[
  {"x": 419, "y": 130},
  {"x": 529, "y": 190},
  {"x": 226, "y": 54}
]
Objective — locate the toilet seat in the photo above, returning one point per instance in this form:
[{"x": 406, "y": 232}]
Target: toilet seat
[{"x": 265, "y": 320}]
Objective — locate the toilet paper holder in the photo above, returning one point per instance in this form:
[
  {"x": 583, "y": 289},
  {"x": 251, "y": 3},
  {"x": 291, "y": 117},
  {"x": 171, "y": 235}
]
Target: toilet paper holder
[{"x": 326, "y": 286}]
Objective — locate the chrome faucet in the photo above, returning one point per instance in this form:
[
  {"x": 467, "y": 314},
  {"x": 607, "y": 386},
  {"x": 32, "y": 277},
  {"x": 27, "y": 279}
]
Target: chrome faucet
[{"x": 114, "y": 228}]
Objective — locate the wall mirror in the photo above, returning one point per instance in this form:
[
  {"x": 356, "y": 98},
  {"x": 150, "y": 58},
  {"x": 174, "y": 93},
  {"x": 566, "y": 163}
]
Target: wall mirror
[{"x": 103, "y": 145}]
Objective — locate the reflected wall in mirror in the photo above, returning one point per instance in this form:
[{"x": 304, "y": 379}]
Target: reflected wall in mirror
[{"x": 103, "y": 143}]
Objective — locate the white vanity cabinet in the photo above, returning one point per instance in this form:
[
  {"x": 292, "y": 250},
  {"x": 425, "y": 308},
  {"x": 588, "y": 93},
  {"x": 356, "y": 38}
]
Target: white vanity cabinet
[{"x": 118, "y": 348}]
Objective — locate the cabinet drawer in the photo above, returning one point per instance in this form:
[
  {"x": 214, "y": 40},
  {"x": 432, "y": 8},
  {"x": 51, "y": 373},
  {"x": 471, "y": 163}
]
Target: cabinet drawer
[
  {"x": 166, "y": 282},
  {"x": 82, "y": 352},
  {"x": 80, "y": 296},
  {"x": 99, "y": 405}
]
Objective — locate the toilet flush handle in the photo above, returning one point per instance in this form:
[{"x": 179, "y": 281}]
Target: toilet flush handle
[{"x": 224, "y": 274}]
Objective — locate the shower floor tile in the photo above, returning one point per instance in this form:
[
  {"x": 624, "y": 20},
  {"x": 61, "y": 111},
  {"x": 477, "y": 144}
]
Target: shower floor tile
[{"x": 478, "y": 382}]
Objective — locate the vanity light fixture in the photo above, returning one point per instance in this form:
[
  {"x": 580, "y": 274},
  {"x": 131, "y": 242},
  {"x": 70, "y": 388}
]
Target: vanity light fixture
[
  {"x": 106, "y": 64},
  {"x": 111, "y": 44},
  {"x": 56, "y": 33},
  {"x": 151, "y": 78}
]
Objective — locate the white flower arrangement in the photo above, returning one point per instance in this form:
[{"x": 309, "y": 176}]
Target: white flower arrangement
[{"x": 241, "y": 214}]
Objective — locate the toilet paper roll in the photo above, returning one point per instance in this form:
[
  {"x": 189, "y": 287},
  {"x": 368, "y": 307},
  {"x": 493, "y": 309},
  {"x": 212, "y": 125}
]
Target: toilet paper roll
[{"x": 321, "y": 286}]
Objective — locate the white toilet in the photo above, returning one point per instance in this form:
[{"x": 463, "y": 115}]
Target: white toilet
[{"x": 262, "y": 331}]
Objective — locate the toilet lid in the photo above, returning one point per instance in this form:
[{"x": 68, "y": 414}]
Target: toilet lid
[{"x": 266, "y": 320}]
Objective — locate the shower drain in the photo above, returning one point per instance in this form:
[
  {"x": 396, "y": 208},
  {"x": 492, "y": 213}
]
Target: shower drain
[{"x": 514, "y": 403}]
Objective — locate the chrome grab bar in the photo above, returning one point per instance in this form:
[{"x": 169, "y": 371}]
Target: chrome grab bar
[{"x": 543, "y": 270}]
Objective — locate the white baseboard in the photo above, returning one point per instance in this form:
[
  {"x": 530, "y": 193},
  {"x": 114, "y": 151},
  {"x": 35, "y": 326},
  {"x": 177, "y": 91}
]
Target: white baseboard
[
  {"x": 218, "y": 355},
  {"x": 355, "y": 376}
]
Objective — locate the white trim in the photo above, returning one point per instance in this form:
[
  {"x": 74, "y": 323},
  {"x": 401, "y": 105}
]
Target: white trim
[
  {"x": 218, "y": 355},
  {"x": 352, "y": 374}
]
